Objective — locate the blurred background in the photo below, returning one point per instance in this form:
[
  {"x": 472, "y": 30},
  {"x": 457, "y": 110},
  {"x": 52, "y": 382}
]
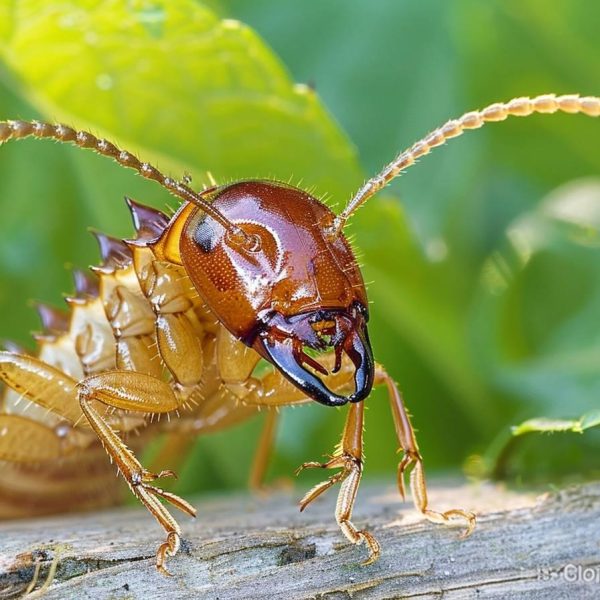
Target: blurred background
[{"x": 483, "y": 260}]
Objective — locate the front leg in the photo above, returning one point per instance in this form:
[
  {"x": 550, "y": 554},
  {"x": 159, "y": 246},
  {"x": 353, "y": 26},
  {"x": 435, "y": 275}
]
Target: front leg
[
  {"x": 128, "y": 390},
  {"x": 413, "y": 462},
  {"x": 348, "y": 457}
]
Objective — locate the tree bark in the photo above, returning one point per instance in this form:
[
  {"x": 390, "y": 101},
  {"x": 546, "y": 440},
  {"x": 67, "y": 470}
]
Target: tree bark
[{"x": 241, "y": 547}]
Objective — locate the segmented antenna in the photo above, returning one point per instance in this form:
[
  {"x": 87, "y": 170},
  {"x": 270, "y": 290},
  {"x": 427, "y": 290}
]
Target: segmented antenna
[
  {"x": 517, "y": 107},
  {"x": 14, "y": 130}
]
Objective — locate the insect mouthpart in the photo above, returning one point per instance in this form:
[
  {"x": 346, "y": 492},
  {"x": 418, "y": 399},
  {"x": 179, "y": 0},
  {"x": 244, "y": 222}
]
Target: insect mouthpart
[{"x": 293, "y": 344}]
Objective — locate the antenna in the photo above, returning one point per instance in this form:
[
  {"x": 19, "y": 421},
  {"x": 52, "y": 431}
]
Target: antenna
[
  {"x": 517, "y": 107},
  {"x": 14, "y": 130}
]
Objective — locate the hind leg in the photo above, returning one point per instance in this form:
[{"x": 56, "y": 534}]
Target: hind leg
[{"x": 260, "y": 463}]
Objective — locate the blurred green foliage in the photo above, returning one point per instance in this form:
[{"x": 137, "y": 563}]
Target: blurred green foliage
[{"x": 485, "y": 278}]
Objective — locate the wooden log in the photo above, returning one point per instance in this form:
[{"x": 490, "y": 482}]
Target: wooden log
[{"x": 524, "y": 546}]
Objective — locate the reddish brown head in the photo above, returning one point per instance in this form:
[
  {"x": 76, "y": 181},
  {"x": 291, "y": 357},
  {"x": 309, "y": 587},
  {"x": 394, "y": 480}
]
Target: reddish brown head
[{"x": 287, "y": 287}]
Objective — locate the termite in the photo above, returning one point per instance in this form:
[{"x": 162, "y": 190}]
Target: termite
[{"x": 177, "y": 320}]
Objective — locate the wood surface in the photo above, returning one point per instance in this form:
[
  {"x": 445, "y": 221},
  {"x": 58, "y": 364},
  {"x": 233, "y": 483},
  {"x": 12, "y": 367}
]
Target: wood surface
[{"x": 526, "y": 545}]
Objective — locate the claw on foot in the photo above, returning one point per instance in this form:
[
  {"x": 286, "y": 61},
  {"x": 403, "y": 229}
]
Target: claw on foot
[
  {"x": 167, "y": 548},
  {"x": 148, "y": 476},
  {"x": 373, "y": 546},
  {"x": 310, "y": 465},
  {"x": 349, "y": 478},
  {"x": 453, "y": 514},
  {"x": 345, "y": 463}
]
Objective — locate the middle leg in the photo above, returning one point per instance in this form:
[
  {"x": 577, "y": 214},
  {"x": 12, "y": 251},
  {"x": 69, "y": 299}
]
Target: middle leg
[
  {"x": 260, "y": 463},
  {"x": 275, "y": 391},
  {"x": 348, "y": 457}
]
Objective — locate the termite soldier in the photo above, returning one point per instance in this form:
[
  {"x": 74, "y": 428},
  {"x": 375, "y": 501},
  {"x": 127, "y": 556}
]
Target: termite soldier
[{"x": 176, "y": 321}]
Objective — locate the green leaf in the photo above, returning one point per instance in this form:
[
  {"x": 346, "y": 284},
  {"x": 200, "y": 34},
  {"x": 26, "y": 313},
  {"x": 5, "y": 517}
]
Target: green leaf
[
  {"x": 591, "y": 419},
  {"x": 514, "y": 50},
  {"x": 538, "y": 304},
  {"x": 179, "y": 85},
  {"x": 169, "y": 81},
  {"x": 543, "y": 425},
  {"x": 175, "y": 82}
]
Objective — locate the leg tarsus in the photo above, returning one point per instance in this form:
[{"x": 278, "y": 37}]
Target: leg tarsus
[
  {"x": 419, "y": 490},
  {"x": 149, "y": 476},
  {"x": 168, "y": 548},
  {"x": 445, "y": 517},
  {"x": 374, "y": 548},
  {"x": 349, "y": 460},
  {"x": 343, "y": 513},
  {"x": 412, "y": 462},
  {"x": 358, "y": 536}
]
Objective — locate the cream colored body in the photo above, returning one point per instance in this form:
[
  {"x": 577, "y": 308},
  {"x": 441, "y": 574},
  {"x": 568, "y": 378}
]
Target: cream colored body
[
  {"x": 142, "y": 348},
  {"x": 145, "y": 346},
  {"x": 148, "y": 331}
]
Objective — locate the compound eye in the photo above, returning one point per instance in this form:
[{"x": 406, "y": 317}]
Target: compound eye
[{"x": 208, "y": 234}]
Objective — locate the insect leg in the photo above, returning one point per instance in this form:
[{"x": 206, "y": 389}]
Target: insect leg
[
  {"x": 348, "y": 457},
  {"x": 263, "y": 452},
  {"x": 41, "y": 383},
  {"x": 24, "y": 440},
  {"x": 135, "y": 391},
  {"x": 412, "y": 460},
  {"x": 275, "y": 391}
]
